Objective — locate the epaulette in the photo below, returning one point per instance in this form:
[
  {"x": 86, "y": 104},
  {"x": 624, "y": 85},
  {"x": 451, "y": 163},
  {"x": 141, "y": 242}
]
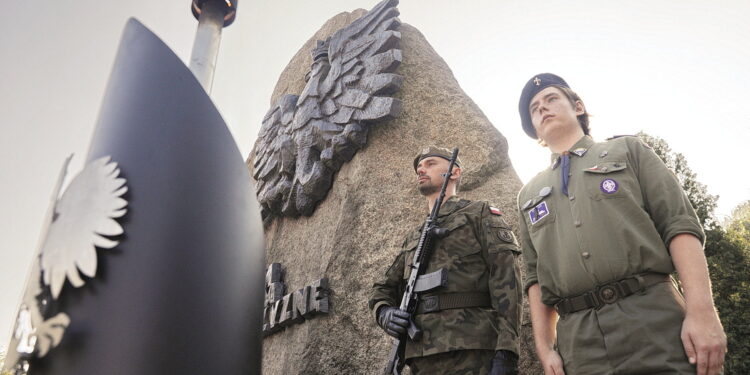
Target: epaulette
[
  {"x": 620, "y": 136},
  {"x": 463, "y": 203}
]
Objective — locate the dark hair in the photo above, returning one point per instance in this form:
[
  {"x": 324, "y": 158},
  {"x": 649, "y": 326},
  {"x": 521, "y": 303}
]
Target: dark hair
[{"x": 583, "y": 119}]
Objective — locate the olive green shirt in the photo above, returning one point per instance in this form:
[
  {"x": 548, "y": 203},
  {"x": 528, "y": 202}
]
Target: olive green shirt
[
  {"x": 479, "y": 255},
  {"x": 623, "y": 208}
]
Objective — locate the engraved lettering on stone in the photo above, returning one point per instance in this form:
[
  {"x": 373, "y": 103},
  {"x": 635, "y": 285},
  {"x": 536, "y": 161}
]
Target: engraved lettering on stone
[
  {"x": 305, "y": 139},
  {"x": 284, "y": 310}
]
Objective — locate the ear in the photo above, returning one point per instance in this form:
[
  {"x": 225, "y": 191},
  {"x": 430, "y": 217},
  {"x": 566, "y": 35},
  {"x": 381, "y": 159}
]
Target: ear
[
  {"x": 580, "y": 108},
  {"x": 456, "y": 173}
]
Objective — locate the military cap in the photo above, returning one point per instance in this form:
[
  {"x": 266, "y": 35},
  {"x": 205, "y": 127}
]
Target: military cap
[
  {"x": 538, "y": 83},
  {"x": 435, "y": 151}
]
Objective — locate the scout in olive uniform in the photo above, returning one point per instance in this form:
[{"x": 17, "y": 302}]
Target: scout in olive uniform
[
  {"x": 470, "y": 325},
  {"x": 601, "y": 230}
]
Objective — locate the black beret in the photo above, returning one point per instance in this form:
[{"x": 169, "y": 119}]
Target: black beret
[
  {"x": 538, "y": 83},
  {"x": 435, "y": 151}
]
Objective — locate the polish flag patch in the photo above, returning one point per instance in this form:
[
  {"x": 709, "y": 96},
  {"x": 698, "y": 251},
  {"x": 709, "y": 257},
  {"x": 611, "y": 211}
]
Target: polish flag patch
[{"x": 495, "y": 211}]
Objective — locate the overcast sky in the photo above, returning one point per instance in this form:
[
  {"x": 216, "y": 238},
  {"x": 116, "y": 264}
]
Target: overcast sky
[{"x": 675, "y": 69}]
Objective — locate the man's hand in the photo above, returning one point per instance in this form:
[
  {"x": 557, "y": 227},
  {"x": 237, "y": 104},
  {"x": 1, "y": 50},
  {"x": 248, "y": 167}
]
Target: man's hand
[
  {"x": 705, "y": 342},
  {"x": 504, "y": 363},
  {"x": 543, "y": 320},
  {"x": 702, "y": 334},
  {"x": 552, "y": 363},
  {"x": 393, "y": 320}
]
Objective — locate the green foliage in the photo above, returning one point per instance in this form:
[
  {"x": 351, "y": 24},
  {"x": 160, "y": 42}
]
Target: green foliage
[
  {"x": 727, "y": 254},
  {"x": 728, "y": 264},
  {"x": 703, "y": 202}
]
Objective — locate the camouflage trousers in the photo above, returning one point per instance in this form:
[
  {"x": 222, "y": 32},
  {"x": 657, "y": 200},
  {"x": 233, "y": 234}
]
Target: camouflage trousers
[{"x": 459, "y": 362}]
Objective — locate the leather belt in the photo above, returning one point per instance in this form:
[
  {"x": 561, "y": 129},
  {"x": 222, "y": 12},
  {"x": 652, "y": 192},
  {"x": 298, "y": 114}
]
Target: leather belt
[
  {"x": 609, "y": 293},
  {"x": 445, "y": 301}
]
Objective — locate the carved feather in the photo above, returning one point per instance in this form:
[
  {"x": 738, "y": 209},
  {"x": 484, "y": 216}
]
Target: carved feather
[{"x": 306, "y": 139}]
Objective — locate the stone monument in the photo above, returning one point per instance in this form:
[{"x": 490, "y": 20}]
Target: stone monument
[{"x": 328, "y": 247}]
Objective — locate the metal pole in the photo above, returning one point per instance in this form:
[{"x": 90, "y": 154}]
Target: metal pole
[{"x": 206, "y": 45}]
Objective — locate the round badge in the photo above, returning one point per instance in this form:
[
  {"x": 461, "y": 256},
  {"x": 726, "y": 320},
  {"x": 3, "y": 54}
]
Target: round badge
[
  {"x": 505, "y": 236},
  {"x": 609, "y": 186}
]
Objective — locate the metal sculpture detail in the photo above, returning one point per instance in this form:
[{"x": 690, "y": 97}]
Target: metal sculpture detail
[
  {"x": 75, "y": 223},
  {"x": 84, "y": 214},
  {"x": 306, "y": 138}
]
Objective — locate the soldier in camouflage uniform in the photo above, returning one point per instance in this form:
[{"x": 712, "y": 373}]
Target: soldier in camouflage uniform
[
  {"x": 471, "y": 325},
  {"x": 601, "y": 230}
]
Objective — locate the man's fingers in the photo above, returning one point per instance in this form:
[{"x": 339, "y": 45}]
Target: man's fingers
[
  {"x": 392, "y": 333},
  {"x": 399, "y": 321},
  {"x": 396, "y": 328},
  {"x": 401, "y": 314},
  {"x": 702, "y": 362},
  {"x": 716, "y": 362},
  {"x": 689, "y": 348},
  {"x": 559, "y": 369}
]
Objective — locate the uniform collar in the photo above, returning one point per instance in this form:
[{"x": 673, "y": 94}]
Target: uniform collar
[
  {"x": 579, "y": 148},
  {"x": 450, "y": 205}
]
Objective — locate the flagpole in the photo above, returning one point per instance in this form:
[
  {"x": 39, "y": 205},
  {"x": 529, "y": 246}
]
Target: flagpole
[{"x": 212, "y": 16}]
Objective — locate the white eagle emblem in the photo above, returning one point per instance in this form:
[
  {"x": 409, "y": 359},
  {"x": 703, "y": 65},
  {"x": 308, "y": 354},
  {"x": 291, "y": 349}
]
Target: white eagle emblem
[
  {"x": 85, "y": 212},
  {"x": 75, "y": 224}
]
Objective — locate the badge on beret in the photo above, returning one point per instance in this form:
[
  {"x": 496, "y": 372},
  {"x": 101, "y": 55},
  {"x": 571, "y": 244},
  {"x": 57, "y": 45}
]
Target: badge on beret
[
  {"x": 609, "y": 186},
  {"x": 538, "y": 212}
]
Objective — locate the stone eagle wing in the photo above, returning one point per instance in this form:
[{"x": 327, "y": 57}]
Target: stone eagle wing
[
  {"x": 305, "y": 139},
  {"x": 82, "y": 216}
]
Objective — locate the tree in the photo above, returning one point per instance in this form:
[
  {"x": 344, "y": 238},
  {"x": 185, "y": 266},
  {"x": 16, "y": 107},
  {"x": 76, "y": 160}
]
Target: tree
[
  {"x": 703, "y": 202},
  {"x": 731, "y": 283},
  {"x": 727, "y": 254}
]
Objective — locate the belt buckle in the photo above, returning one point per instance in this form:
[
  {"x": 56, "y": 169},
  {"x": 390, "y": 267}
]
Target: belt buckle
[
  {"x": 608, "y": 294},
  {"x": 430, "y": 304}
]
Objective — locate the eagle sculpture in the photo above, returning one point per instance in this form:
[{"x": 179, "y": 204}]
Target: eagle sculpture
[{"x": 306, "y": 138}]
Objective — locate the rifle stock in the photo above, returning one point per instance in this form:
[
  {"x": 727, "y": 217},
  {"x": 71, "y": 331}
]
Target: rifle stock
[{"x": 409, "y": 300}]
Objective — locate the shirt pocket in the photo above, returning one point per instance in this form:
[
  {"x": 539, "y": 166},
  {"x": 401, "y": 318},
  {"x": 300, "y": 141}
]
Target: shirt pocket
[
  {"x": 539, "y": 214},
  {"x": 461, "y": 240},
  {"x": 411, "y": 246},
  {"x": 606, "y": 180}
]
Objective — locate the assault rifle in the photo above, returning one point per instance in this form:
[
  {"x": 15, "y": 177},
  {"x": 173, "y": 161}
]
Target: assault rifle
[{"x": 418, "y": 281}]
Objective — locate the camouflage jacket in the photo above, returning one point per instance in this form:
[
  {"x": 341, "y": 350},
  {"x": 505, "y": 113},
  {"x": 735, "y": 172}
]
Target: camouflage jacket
[{"x": 480, "y": 254}]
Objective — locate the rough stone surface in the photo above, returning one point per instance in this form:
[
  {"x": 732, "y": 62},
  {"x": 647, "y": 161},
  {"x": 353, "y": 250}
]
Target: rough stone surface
[
  {"x": 357, "y": 230},
  {"x": 306, "y": 138}
]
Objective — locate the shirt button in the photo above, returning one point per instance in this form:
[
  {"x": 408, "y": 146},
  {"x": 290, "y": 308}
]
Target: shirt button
[
  {"x": 571, "y": 197},
  {"x": 578, "y": 223},
  {"x": 585, "y": 254}
]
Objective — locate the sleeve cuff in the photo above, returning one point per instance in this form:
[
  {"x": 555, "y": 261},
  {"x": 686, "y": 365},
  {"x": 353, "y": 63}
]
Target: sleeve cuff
[
  {"x": 684, "y": 224},
  {"x": 375, "y": 309},
  {"x": 530, "y": 281}
]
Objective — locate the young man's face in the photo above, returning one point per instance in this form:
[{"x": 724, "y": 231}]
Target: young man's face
[
  {"x": 430, "y": 172},
  {"x": 552, "y": 113}
]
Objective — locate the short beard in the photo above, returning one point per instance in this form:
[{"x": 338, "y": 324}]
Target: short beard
[{"x": 428, "y": 189}]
